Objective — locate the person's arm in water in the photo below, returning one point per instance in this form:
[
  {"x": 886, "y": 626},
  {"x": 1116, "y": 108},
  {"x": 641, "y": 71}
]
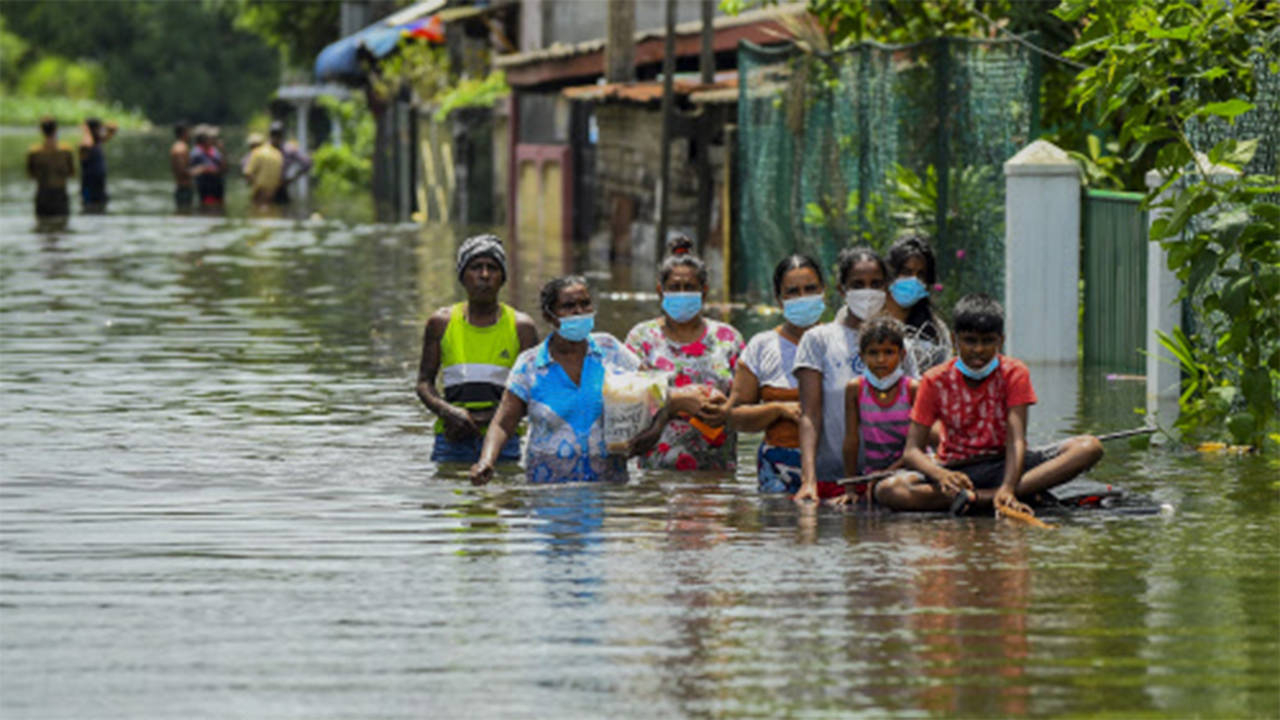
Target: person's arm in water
[
  {"x": 810, "y": 423},
  {"x": 746, "y": 412},
  {"x": 1015, "y": 454},
  {"x": 458, "y": 423},
  {"x": 510, "y": 410},
  {"x": 852, "y": 438},
  {"x": 914, "y": 457}
]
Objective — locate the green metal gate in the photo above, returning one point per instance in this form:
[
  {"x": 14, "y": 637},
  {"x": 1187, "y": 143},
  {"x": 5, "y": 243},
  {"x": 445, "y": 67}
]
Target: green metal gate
[{"x": 1114, "y": 271}]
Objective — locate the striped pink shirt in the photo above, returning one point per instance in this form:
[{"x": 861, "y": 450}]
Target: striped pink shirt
[{"x": 882, "y": 430}]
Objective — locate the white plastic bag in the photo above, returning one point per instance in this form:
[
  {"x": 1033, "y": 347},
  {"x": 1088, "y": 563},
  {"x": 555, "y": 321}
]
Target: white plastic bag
[{"x": 631, "y": 399}]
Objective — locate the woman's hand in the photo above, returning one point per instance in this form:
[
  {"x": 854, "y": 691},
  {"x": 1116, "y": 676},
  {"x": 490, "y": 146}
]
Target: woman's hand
[
  {"x": 808, "y": 491},
  {"x": 687, "y": 400},
  {"x": 458, "y": 425},
  {"x": 714, "y": 409},
  {"x": 480, "y": 473}
]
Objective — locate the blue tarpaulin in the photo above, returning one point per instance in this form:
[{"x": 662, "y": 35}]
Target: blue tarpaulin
[{"x": 340, "y": 61}]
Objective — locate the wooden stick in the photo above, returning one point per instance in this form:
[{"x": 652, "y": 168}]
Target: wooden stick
[{"x": 1032, "y": 520}]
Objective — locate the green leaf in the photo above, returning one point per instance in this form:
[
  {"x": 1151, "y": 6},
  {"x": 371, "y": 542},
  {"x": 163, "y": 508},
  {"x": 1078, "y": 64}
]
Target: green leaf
[
  {"x": 1266, "y": 211},
  {"x": 1241, "y": 426},
  {"x": 1200, "y": 269},
  {"x": 1178, "y": 33},
  {"x": 1228, "y": 109},
  {"x": 1243, "y": 152},
  {"x": 1173, "y": 155},
  {"x": 1256, "y": 385}
]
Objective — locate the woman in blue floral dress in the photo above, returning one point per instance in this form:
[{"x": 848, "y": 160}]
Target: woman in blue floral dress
[{"x": 559, "y": 384}]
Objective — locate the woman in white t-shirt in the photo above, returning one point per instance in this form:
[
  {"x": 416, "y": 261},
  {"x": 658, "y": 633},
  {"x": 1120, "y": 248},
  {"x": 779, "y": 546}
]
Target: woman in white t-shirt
[
  {"x": 765, "y": 395},
  {"x": 826, "y": 360}
]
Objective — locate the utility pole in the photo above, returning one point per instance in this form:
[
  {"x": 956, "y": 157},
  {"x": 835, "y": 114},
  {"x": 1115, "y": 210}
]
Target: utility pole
[
  {"x": 620, "y": 41},
  {"x": 668, "y": 109},
  {"x": 707, "y": 66}
]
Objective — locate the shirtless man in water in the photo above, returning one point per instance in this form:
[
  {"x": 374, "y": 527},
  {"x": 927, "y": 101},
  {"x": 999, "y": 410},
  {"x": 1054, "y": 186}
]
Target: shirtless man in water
[{"x": 184, "y": 191}]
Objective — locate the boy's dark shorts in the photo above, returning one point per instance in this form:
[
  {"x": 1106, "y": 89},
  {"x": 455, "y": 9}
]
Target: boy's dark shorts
[{"x": 989, "y": 474}]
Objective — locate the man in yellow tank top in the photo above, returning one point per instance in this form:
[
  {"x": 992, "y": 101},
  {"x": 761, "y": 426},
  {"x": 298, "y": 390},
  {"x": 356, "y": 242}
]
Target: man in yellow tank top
[{"x": 472, "y": 345}]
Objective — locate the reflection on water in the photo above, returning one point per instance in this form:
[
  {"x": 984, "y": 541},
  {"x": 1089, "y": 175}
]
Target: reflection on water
[{"x": 217, "y": 500}]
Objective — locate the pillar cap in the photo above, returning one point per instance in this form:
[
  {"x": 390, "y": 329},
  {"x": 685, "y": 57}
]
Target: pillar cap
[{"x": 1041, "y": 157}]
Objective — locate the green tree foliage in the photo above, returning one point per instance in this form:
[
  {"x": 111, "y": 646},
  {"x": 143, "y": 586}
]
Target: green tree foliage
[
  {"x": 55, "y": 76},
  {"x": 172, "y": 60},
  {"x": 299, "y": 30},
  {"x": 1157, "y": 67},
  {"x": 345, "y": 172}
]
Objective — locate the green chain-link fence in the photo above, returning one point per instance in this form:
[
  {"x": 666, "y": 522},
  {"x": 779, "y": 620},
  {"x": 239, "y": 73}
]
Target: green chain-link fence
[{"x": 859, "y": 146}]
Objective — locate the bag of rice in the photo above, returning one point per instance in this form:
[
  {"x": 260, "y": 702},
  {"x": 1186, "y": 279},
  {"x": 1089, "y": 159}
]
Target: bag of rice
[{"x": 631, "y": 399}]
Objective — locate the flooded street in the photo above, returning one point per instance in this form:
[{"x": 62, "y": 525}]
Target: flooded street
[{"x": 216, "y": 500}]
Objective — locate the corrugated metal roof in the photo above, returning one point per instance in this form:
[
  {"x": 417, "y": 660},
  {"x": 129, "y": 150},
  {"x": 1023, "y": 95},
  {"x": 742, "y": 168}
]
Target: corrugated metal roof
[
  {"x": 560, "y": 51},
  {"x": 647, "y": 91}
]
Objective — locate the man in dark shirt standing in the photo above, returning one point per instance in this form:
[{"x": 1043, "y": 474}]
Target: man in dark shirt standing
[
  {"x": 184, "y": 190},
  {"x": 50, "y": 163}
]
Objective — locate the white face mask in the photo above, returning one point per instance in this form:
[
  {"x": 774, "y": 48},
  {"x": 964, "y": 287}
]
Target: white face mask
[{"x": 865, "y": 302}]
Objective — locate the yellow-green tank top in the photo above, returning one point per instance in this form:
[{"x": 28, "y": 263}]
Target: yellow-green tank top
[{"x": 474, "y": 361}]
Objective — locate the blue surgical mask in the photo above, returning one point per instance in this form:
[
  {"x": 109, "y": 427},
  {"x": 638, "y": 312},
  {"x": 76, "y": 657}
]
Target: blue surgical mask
[
  {"x": 804, "y": 311},
  {"x": 908, "y": 291},
  {"x": 885, "y": 382},
  {"x": 682, "y": 306},
  {"x": 576, "y": 328},
  {"x": 980, "y": 373}
]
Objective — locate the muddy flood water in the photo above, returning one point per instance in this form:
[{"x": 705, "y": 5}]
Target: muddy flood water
[{"x": 216, "y": 501}]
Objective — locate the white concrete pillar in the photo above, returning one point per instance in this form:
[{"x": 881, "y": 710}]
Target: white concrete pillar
[
  {"x": 301, "y": 185},
  {"x": 1164, "y": 311},
  {"x": 1042, "y": 255}
]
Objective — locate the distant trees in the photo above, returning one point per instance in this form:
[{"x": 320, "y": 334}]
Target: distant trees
[{"x": 170, "y": 60}]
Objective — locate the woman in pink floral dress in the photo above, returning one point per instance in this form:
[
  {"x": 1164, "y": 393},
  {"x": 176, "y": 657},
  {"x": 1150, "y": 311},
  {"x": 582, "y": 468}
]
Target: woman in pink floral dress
[{"x": 696, "y": 351}]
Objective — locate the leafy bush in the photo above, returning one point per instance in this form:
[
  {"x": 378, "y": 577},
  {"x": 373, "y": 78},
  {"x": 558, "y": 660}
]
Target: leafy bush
[
  {"x": 1219, "y": 228},
  {"x": 55, "y": 76},
  {"x": 471, "y": 92}
]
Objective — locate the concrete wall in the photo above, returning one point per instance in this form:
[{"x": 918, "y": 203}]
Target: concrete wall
[
  {"x": 622, "y": 235},
  {"x": 575, "y": 21}
]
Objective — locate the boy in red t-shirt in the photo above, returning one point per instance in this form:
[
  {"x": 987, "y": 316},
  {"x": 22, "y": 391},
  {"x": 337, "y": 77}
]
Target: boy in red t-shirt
[{"x": 981, "y": 397}]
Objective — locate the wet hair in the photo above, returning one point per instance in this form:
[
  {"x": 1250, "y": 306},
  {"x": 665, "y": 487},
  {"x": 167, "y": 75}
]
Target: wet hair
[
  {"x": 881, "y": 328},
  {"x": 680, "y": 253},
  {"x": 849, "y": 257},
  {"x": 978, "y": 312},
  {"x": 551, "y": 291},
  {"x": 791, "y": 262},
  {"x": 48, "y": 125},
  {"x": 179, "y": 128},
  {"x": 95, "y": 126},
  {"x": 903, "y": 249}
]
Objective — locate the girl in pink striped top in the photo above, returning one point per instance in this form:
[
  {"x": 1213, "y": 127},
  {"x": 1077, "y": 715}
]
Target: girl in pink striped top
[{"x": 877, "y": 404}]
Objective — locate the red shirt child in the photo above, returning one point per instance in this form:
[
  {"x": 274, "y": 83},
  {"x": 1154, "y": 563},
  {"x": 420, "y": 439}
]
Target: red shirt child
[{"x": 974, "y": 420}]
